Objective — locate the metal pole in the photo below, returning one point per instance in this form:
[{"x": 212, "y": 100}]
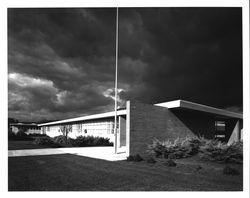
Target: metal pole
[{"x": 116, "y": 64}]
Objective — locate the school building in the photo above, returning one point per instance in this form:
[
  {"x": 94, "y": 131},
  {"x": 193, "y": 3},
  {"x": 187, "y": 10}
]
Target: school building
[{"x": 138, "y": 124}]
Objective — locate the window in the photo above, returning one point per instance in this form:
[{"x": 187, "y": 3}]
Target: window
[
  {"x": 220, "y": 126},
  {"x": 79, "y": 128},
  {"x": 112, "y": 127},
  {"x": 220, "y": 129}
]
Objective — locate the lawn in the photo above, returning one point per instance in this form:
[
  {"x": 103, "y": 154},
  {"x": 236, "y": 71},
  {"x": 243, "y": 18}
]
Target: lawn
[
  {"x": 68, "y": 172},
  {"x": 23, "y": 144}
]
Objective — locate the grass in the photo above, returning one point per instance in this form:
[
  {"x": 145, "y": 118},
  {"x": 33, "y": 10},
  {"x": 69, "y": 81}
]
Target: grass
[
  {"x": 76, "y": 173},
  {"x": 24, "y": 144}
]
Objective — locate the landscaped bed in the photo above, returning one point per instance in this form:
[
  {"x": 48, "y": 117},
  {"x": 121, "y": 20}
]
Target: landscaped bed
[
  {"x": 207, "y": 149},
  {"x": 76, "y": 173},
  {"x": 23, "y": 141}
]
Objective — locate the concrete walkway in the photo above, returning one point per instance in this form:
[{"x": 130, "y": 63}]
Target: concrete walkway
[{"x": 104, "y": 153}]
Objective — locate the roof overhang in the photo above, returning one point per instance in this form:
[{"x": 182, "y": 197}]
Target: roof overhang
[
  {"x": 182, "y": 104},
  {"x": 176, "y": 104},
  {"x": 84, "y": 118},
  {"x": 22, "y": 124}
]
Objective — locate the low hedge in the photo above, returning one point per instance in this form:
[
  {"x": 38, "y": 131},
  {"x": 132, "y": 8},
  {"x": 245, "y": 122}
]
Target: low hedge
[
  {"x": 217, "y": 151},
  {"x": 135, "y": 158},
  {"x": 34, "y": 135},
  {"x": 19, "y": 136},
  {"x": 22, "y": 136},
  {"x": 46, "y": 141},
  {"x": 62, "y": 140},
  {"x": 212, "y": 150},
  {"x": 180, "y": 148},
  {"x": 82, "y": 141}
]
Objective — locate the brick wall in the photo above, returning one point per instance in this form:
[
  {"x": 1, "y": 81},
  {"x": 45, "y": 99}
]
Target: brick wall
[{"x": 148, "y": 122}]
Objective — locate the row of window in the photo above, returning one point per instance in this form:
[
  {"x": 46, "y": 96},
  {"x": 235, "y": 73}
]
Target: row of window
[
  {"x": 92, "y": 127},
  {"x": 220, "y": 127}
]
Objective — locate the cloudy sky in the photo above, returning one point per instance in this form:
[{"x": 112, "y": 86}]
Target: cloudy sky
[{"x": 61, "y": 62}]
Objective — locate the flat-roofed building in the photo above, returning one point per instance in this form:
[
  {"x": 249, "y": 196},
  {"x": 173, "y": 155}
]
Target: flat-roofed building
[
  {"x": 28, "y": 128},
  {"x": 138, "y": 124}
]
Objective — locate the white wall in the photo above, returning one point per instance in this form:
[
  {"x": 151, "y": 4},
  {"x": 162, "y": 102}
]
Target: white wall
[
  {"x": 33, "y": 131},
  {"x": 52, "y": 131}
]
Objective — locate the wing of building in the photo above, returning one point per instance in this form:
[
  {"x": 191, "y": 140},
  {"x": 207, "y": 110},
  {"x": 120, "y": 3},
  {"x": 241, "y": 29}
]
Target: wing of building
[
  {"x": 28, "y": 128},
  {"x": 140, "y": 123}
]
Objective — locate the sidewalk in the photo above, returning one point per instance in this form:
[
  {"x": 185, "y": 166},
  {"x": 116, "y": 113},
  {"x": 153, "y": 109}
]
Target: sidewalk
[{"x": 105, "y": 153}]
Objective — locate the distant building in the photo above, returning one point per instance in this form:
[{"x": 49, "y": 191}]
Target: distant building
[
  {"x": 140, "y": 123},
  {"x": 28, "y": 128}
]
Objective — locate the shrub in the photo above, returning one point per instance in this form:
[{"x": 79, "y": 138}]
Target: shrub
[
  {"x": 130, "y": 158},
  {"x": 135, "y": 158},
  {"x": 33, "y": 135},
  {"x": 214, "y": 150},
  {"x": 138, "y": 158},
  {"x": 23, "y": 136},
  {"x": 11, "y": 135},
  {"x": 234, "y": 153},
  {"x": 157, "y": 148},
  {"x": 62, "y": 140},
  {"x": 19, "y": 136},
  {"x": 83, "y": 141},
  {"x": 170, "y": 156},
  {"x": 150, "y": 160},
  {"x": 180, "y": 148},
  {"x": 170, "y": 163},
  {"x": 101, "y": 141},
  {"x": 230, "y": 171},
  {"x": 46, "y": 141},
  {"x": 198, "y": 167},
  {"x": 193, "y": 144}
]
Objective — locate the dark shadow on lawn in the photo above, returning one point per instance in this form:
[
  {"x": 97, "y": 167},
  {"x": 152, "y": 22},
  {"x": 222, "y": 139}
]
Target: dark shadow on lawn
[{"x": 68, "y": 172}]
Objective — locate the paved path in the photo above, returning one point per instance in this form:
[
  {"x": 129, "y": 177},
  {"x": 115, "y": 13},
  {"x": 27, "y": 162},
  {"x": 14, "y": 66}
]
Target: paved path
[{"x": 105, "y": 153}]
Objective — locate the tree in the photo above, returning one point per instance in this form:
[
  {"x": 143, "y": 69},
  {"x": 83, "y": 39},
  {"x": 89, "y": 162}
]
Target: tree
[
  {"x": 11, "y": 120},
  {"x": 66, "y": 129}
]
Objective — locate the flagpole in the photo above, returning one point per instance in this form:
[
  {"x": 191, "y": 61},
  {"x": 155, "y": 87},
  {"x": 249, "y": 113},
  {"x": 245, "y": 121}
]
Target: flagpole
[{"x": 116, "y": 64}]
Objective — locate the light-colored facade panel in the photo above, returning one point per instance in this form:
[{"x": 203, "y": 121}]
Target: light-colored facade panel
[{"x": 96, "y": 128}]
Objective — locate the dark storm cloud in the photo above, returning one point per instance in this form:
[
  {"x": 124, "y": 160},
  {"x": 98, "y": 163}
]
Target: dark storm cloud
[
  {"x": 62, "y": 61},
  {"x": 70, "y": 32},
  {"x": 195, "y": 54}
]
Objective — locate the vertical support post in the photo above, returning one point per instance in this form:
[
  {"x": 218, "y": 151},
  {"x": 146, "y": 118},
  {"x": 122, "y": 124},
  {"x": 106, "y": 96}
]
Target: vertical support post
[
  {"x": 116, "y": 65},
  {"x": 127, "y": 128}
]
